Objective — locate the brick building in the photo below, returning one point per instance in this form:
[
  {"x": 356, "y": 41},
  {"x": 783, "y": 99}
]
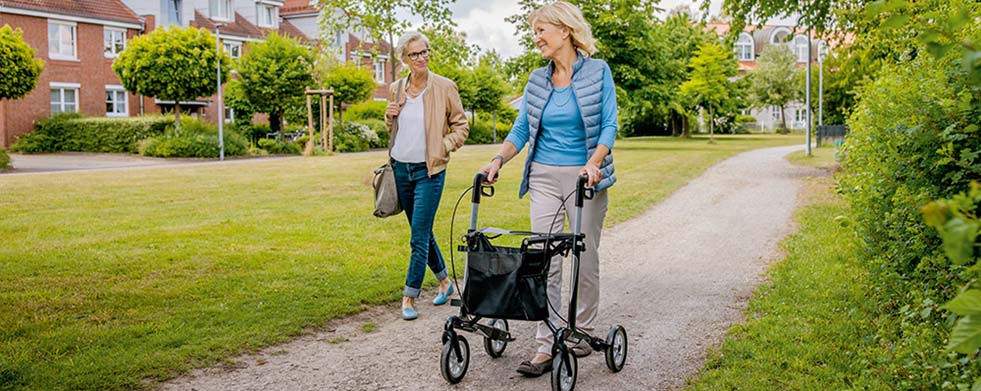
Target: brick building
[{"x": 78, "y": 40}]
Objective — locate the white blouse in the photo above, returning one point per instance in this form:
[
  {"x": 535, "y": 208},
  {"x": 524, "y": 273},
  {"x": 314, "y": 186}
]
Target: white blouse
[{"x": 410, "y": 140}]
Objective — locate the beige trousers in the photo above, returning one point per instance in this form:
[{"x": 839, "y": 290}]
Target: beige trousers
[{"x": 548, "y": 187}]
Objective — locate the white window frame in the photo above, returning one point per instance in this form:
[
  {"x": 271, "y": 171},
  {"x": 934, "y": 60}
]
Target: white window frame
[
  {"x": 229, "y": 45},
  {"x": 114, "y": 89},
  {"x": 218, "y": 13},
  {"x": 62, "y": 88},
  {"x": 776, "y": 113},
  {"x": 773, "y": 35},
  {"x": 229, "y": 115},
  {"x": 379, "y": 67},
  {"x": 55, "y": 48},
  {"x": 178, "y": 14},
  {"x": 273, "y": 13},
  {"x": 741, "y": 44},
  {"x": 110, "y": 51},
  {"x": 800, "y": 115},
  {"x": 800, "y": 48}
]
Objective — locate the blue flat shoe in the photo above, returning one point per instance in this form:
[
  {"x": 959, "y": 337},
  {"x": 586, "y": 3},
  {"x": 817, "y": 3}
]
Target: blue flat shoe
[
  {"x": 443, "y": 297},
  {"x": 409, "y": 313}
]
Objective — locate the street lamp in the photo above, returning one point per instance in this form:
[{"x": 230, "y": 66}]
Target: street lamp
[{"x": 221, "y": 110}]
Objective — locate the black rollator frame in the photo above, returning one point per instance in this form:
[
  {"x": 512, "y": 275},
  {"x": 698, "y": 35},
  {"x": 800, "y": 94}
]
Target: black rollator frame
[{"x": 503, "y": 283}]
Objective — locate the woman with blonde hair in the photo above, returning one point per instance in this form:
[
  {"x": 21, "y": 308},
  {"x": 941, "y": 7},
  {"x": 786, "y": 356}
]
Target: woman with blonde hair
[
  {"x": 426, "y": 122},
  {"x": 569, "y": 122}
]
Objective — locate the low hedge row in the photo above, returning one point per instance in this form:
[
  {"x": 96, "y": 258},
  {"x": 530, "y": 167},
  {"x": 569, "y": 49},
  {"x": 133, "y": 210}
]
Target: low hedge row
[
  {"x": 4, "y": 159},
  {"x": 73, "y": 133}
]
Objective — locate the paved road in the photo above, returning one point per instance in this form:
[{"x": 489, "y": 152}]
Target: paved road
[
  {"x": 78, "y": 161},
  {"x": 677, "y": 277}
]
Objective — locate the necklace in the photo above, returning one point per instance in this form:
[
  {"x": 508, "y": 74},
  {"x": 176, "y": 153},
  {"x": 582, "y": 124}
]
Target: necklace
[{"x": 561, "y": 96}]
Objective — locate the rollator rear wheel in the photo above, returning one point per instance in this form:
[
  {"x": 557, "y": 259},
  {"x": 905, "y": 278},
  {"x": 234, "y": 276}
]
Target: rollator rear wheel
[
  {"x": 495, "y": 347},
  {"x": 616, "y": 351},
  {"x": 452, "y": 366},
  {"x": 562, "y": 378}
]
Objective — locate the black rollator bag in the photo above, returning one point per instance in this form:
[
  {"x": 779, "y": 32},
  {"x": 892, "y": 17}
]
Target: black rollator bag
[{"x": 505, "y": 282}]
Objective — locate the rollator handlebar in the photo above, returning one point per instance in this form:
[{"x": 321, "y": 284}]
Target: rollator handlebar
[
  {"x": 479, "y": 188},
  {"x": 582, "y": 192}
]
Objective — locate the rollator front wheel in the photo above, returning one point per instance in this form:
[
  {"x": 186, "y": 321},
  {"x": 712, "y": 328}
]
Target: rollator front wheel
[
  {"x": 564, "y": 370},
  {"x": 495, "y": 347},
  {"x": 616, "y": 351},
  {"x": 452, "y": 364}
]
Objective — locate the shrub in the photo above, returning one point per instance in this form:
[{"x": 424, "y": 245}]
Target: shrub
[
  {"x": 480, "y": 132},
  {"x": 366, "y": 110},
  {"x": 4, "y": 159},
  {"x": 912, "y": 138},
  {"x": 196, "y": 139},
  {"x": 354, "y": 137},
  {"x": 277, "y": 147},
  {"x": 381, "y": 132},
  {"x": 72, "y": 132}
]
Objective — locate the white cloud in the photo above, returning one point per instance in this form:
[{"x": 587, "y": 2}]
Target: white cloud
[{"x": 484, "y": 24}]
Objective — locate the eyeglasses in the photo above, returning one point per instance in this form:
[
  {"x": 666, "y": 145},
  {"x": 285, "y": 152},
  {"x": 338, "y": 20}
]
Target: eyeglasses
[{"x": 424, "y": 54}]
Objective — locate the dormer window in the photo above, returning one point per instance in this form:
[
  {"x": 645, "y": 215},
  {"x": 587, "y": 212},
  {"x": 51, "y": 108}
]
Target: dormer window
[
  {"x": 220, "y": 9},
  {"x": 801, "y": 48},
  {"x": 267, "y": 15},
  {"x": 744, "y": 47}
]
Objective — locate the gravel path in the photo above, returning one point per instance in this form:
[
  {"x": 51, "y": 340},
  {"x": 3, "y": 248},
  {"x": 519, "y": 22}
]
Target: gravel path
[{"x": 675, "y": 277}]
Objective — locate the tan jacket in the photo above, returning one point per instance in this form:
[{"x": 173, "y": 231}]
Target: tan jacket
[{"x": 446, "y": 124}]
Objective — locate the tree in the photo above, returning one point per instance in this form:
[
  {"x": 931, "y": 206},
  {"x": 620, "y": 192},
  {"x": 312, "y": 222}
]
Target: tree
[
  {"x": 171, "y": 63},
  {"x": 20, "y": 69},
  {"x": 773, "y": 82},
  {"x": 709, "y": 86},
  {"x": 273, "y": 76},
  {"x": 384, "y": 20},
  {"x": 351, "y": 85}
]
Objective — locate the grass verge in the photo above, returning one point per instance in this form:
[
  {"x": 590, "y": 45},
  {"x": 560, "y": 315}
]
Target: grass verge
[
  {"x": 809, "y": 327},
  {"x": 121, "y": 279}
]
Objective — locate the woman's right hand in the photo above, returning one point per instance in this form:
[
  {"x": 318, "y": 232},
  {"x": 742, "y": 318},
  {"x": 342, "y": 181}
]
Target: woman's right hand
[
  {"x": 490, "y": 170},
  {"x": 393, "y": 110}
]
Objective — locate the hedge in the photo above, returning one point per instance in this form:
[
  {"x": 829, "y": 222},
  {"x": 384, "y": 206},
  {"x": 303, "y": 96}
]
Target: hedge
[
  {"x": 4, "y": 159},
  {"x": 72, "y": 132}
]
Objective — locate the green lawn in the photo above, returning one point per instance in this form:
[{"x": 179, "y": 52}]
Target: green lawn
[
  {"x": 121, "y": 279},
  {"x": 809, "y": 327}
]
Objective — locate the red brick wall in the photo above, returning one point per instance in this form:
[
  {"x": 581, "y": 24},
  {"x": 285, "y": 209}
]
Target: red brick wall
[{"x": 92, "y": 70}]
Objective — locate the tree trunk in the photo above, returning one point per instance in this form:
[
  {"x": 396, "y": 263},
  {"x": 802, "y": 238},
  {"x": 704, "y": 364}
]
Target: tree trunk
[
  {"x": 177, "y": 117},
  {"x": 685, "y": 132},
  {"x": 783, "y": 119},
  {"x": 711, "y": 126},
  {"x": 275, "y": 122},
  {"x": 675, "y": 123}
]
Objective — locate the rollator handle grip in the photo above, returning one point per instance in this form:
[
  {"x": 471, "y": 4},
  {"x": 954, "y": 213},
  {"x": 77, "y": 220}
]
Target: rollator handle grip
[
  {"x": 582, "y": 192},
  {"x": 479, "y": 188}
]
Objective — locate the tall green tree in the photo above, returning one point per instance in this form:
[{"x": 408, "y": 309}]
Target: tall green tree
[
  {"x": 274, "y": 74},
  {"x": 384, "y": 20},
  {"x": 20, "y": 69},
  {"x": 351, "y": 84},
  {"x": 171, "y": 63},
  {"x": 773, "y": 82},
  {"x": 709, "y": 87}
]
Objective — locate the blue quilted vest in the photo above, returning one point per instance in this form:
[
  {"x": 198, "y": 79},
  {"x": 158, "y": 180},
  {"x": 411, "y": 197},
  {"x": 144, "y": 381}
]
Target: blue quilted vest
[{"x": 587, "y": 85}]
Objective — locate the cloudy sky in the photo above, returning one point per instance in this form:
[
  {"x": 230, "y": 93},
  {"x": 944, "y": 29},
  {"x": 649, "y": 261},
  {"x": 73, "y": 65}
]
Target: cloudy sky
[{"x": 483, "y": 22}]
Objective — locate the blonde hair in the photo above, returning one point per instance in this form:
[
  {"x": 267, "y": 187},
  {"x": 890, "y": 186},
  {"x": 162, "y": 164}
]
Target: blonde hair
[
  {"x": 569, "y": 16},
  {"x": 406, "y": 39}
]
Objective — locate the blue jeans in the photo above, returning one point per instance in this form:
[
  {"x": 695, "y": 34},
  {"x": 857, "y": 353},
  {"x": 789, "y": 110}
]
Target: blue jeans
[{"x": 419, "y": 195}]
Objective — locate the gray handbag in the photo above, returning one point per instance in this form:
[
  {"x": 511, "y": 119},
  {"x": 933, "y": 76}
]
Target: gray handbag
[{"x": 386, "y": 194}]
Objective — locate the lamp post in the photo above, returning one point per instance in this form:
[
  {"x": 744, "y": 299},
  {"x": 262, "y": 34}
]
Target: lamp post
[{"x": 221, "y": 110}]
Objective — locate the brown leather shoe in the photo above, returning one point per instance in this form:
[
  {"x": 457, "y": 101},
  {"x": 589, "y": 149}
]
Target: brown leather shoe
[{"x": 530, "y": 369}]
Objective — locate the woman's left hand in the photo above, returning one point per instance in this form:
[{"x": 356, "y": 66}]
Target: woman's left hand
[{"x": 593, "y": 171}]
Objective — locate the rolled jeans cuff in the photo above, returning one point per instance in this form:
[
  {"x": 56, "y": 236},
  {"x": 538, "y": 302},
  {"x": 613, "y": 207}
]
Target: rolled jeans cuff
[
  {"x": 442, "y": 275},
  {"x": 411, "y": 292}
]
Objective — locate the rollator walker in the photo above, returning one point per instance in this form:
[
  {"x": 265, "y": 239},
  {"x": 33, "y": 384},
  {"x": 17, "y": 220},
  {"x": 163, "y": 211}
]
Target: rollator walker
[{"x": 506, "y": 283}]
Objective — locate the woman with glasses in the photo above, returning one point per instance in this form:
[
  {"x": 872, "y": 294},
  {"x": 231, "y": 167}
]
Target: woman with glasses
[
  {"x": 426, "y": 122},
  {"x": 569, "y": 122}
]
